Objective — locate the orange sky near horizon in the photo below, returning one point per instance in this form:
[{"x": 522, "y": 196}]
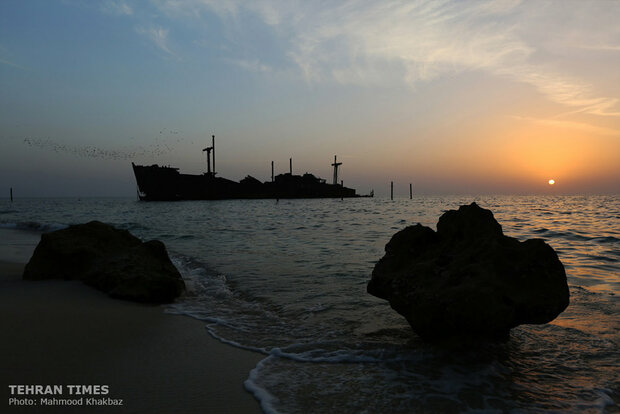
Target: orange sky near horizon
[{"x": 521, "y": 155}]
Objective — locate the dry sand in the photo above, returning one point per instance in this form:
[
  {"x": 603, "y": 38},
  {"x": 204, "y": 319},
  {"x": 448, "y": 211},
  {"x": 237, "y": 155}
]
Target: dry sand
[{"x": 64, "y": 333}]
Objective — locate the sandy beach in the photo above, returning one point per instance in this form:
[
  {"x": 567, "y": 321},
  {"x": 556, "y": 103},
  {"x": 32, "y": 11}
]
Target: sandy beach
[{"x": 65, "y": 333}]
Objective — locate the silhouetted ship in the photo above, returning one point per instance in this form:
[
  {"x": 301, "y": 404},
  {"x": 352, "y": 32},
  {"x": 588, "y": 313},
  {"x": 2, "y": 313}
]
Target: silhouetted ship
[{"x": 160, "y": 183}]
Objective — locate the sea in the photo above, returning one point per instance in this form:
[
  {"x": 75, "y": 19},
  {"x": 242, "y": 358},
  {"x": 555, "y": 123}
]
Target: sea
[{"x": 288, "y": 279}]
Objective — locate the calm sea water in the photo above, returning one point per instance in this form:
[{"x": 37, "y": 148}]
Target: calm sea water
[{"x": 288, "y": 279}]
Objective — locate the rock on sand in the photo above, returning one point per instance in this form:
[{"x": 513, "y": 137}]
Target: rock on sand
[{"x": 108, "y": 259}]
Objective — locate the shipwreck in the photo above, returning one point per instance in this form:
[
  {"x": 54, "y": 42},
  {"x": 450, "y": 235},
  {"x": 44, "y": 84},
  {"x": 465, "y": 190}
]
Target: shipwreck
[{"x": 164, "y": 183}]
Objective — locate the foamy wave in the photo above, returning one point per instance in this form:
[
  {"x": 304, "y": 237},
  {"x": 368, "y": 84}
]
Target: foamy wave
[
  {"x": 319, "y": 307},
  {"x": 234, "y": 343},
  {"x": 198, "y": 278},
  {"x": 265, "y": 398},
  {"x": 318, "y": 353},
  {"x": 34, "y": 226}
]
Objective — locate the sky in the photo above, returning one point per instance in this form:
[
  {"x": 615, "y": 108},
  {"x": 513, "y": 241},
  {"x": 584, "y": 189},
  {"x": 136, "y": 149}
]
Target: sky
[{"x": 455, "y": 97}]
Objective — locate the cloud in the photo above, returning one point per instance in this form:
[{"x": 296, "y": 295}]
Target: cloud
[
  {"x": 158, "y": 35},
  {"x": 250, "y": 65},
  {"x": 563, "y": 89},
  {"x": 4, "y": 61},
  {"x": 196, "y": 8},
  {"x": 369, "y": 42},
  {"x": 118, "y": 7},
  {"x": 592, "y": 129},
  {"x": 9, "y": 63},
  {"x": 610, "y": 48}
]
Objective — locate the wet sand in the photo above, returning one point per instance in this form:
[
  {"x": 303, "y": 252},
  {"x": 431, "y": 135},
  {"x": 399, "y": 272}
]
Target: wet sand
[{"x": 65, "y": 333}]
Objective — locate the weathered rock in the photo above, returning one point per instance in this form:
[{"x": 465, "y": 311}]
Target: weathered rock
[
  {"x": 468, "y": 279},
  {"x": 108, "y": 259}
]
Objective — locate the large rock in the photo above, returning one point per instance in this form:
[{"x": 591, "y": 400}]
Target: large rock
[
  {"x": 468, "y": 279},
  {"x": 108, "y": 259}
]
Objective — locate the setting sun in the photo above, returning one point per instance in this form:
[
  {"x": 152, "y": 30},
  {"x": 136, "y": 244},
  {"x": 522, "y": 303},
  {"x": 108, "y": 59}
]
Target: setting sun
[{"x": 551, "y": 182}]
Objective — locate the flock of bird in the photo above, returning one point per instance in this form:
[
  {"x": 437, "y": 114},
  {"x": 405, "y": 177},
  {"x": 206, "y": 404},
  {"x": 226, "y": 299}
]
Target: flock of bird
[{"x": 160, "y": 146}]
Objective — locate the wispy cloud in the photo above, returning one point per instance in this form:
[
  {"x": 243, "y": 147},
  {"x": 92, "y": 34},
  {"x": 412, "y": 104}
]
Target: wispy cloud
[
  {"x": 592, "y": 129},
  {"x": 427, "y": 39},
  {"x": 368, "y": 42},
  {"x": 196, "y": 8},
  {"x": 564, "y": 90},
  {"x": 158, "y": 35},
  {"x": 250, "y": 65},
  {"x": 116, "y": 7},
  {"x": 610, "y": 48},
  {"x": 13, "y": 65}
]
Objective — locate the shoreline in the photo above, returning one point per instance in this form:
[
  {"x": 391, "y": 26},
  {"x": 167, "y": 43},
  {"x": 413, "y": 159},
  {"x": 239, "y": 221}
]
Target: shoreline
[{"x": 64, "y": 333}]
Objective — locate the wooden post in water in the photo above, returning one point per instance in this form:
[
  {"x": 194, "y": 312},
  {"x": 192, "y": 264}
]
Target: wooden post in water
[
  {"x": 391, "y": 190},
  {"x": 410, "y": 191},
  {"x": 290, "y": 165},
  {"x": 11, "y": 194},
  {"x": 271, "y": 171}
]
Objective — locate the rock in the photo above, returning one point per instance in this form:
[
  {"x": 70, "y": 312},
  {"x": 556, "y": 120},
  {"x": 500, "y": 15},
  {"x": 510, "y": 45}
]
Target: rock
[
  {"x": 468, "y": 279},
  {"x": 108, "y": 259}
]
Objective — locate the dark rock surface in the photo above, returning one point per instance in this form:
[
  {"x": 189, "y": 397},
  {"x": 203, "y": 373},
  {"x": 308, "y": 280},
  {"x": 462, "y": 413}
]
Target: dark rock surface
[
  {"x": 108, "y": 259},
  {"x": 468, "y": 279}
]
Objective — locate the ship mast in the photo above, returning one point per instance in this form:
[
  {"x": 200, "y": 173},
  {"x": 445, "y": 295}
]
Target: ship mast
[
  {"x": 209, "y": 149},
  {"x": 336, "y": 165}
]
